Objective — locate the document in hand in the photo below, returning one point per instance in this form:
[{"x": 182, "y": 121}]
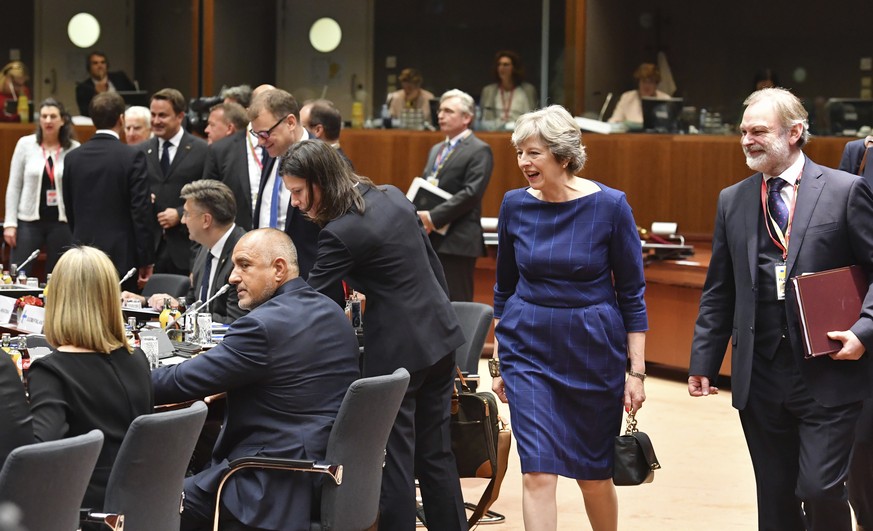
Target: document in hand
[
  {"x": 828, "y": 301},
  {"x": 426, "y": 196}
]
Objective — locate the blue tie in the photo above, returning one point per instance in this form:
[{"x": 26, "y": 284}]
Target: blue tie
[
  {"x": 274, "y": 204},
  {"x": 204, "y": 283},
  {"x": 777, "y": 206},
  {"x": 165, "y": 158}
]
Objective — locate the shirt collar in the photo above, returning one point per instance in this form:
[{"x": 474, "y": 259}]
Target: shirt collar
[
  {"x": 107, "y": 132},
  {"x": 218, "y": 248},
  {"x": 175, "y": 140},
  {"x": 460, "y": 136},
  {"x": 792, "y": 173}
]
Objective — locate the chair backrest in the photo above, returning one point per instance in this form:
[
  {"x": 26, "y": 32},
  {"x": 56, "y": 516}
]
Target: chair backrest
[
  {"x": 47, "y": 480},
  {"x": 175, "y": 285},
  {"x": 145, "y": 484},
  {"x": 475, "y": 319},
  {"x": 357, "y": 442}
]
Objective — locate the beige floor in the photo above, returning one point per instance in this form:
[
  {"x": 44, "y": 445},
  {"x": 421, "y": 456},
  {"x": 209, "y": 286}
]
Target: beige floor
[{"x": 706, "y": 481}]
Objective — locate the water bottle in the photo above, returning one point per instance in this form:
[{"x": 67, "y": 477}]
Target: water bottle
[{"x": 386, "y": 117}]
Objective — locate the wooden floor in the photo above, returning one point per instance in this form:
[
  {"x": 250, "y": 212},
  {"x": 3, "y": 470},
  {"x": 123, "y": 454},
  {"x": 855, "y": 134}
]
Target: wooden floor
[{"x": 706, "y": 481}]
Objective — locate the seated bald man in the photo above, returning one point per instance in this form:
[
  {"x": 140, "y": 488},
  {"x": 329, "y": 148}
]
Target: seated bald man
[{"x": 285, "y": 367}]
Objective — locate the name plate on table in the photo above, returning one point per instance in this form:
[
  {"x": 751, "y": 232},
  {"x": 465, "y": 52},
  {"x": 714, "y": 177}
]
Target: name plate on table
[
  {"x": 7, "y": 306},
  {"x": 32, "y": 319}
]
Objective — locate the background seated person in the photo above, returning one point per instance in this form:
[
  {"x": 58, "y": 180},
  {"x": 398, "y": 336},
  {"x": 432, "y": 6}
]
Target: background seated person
[
  {"x": 209, "y": 213},
  {"x": 92, "y": 379},
  {"x": 410, "y": 96},
  {"x": 629, "y": 108},
  {"x": 503, "y": 102},
  {"x": 13, "y": 83},
  {"x": 100, "y": 79},
  {"x": 285, "y": 366},
  {"x": 137, "y": 125}
]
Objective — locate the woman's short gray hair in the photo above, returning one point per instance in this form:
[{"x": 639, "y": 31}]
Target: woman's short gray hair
[{"x": 558, "y": 130}]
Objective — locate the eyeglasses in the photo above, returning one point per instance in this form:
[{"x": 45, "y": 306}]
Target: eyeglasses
[{"x": 265, "y": 135}]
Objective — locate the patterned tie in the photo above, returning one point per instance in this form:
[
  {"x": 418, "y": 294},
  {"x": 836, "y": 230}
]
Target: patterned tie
[
  {"x": 165, "y": 159},
  {"x": 777, "y": 206},
  {"x": 204, "y": 283}
]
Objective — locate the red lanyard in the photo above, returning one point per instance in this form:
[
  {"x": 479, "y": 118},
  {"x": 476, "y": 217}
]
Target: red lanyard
[
  {"x": 50, "y": 168},
  {"x": 782, "y": 241},
  {"x": 507, "y": 106},
  {"x": 255, "y": 153}
]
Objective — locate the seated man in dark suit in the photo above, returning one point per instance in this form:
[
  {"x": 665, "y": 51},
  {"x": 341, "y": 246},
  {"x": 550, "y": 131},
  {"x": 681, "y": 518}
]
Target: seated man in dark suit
[
  {"x": 99, "y": 80},
  {"x": 285, "y": 366},
  {"x": 209, "y": 212}
]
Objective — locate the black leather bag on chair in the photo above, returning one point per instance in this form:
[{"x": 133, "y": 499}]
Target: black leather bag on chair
[
  {"x": 475, "y": 434},
  {"x": 635, "y": 460}
]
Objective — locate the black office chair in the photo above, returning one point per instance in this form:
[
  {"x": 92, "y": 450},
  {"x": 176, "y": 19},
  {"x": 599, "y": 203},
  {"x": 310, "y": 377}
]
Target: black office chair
[
  {"x": 145, "y": 485},
  {"x": 475, "y": 319},
  {"x": 47, "y": 480},
  {"x": 354, "y": 459},
  {"x": 175, "y": 285}
]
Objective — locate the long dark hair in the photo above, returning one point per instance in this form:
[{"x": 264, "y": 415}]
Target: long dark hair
[
  {"x": 66, "y": 133},
  {"x": 517, "y": 66},
  {"x": 320, "y": 165}
]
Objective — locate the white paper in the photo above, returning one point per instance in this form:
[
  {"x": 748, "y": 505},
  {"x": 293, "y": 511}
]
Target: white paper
[
  {"x": 7, "y": 306},
  {"x": 32, "y": 319}
]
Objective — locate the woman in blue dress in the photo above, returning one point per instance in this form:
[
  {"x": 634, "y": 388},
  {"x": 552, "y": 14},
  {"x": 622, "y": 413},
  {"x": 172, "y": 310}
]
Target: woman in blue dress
[{"x": 569, "y": 313}]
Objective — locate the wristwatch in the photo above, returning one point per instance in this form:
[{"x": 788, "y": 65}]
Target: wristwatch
[
  {"x": 640, "y": 375},
  {"x": 494, "y": 367}
]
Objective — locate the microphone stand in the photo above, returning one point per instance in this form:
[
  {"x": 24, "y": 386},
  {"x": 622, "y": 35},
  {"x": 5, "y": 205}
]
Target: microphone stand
[
  {"x": 127, "y": 276},
  {"x": 30, "y": 258},
  {"x": 194, "y": 307}
]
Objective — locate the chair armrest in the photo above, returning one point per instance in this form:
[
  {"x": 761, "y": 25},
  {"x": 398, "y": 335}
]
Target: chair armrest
[
  {"x": 114, "y": 522},
  {"x": 335, "y": 471}
]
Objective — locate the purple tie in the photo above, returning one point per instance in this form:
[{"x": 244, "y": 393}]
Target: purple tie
[{"x": 777, "y": 206}]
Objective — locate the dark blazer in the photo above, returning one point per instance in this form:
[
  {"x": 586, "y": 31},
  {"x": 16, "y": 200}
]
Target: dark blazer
[
  {"x": 106, "y": 194},
  {"x": 831, "y": 228},
  {"x": 187, "y": 166},
  {"x": 74, "y": 393},
  {"x": 408, "y": 321},
  {"x": 465, "y": 174},
  {"x": 853, "y": 153},
  {"x": 16, "y": 424},
  {"x": 85, "y": 89},
  {"x": 224, "y": 309},
  {"x": 227, "y": 161},
  {"x": 285, "y": 366}
]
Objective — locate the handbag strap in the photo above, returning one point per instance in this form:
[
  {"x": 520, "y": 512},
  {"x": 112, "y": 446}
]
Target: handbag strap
[
  {"x": 483, "y": 502},
  {"x": 648, "y": 449}
]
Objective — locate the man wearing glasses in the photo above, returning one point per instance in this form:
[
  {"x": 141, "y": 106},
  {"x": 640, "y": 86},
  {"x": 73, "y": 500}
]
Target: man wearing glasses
[{"x": 275, "y": 122}]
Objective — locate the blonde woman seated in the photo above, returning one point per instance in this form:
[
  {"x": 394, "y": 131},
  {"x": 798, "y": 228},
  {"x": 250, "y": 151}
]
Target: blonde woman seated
[
  {"x": 629, "y": 108},
  {"x": 92, "y": 379}
]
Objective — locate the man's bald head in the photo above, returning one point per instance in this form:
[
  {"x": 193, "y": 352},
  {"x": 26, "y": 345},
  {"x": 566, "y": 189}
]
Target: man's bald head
[{"x": 263, "y": 260}]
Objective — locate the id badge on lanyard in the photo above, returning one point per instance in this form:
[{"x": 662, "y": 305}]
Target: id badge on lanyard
[{"x": 781, "y": 276}]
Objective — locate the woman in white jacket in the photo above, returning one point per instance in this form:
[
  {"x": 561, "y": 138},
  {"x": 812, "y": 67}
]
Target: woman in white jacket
[{"x": 35, "y": 214}]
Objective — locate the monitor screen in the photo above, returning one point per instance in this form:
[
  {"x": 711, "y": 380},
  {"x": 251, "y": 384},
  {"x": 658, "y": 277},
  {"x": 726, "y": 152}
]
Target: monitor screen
[
  {"x": 135, "y": 97},
  {"x": 847, "y": 116},
  {"x": 661, "y": 116}
]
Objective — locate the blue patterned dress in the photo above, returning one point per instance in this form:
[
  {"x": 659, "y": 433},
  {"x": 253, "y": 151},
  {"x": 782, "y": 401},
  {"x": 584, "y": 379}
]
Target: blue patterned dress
[{"x": 569, "y": 288}]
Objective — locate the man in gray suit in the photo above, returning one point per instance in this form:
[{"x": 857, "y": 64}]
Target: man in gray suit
[
  {"x": 461, "y": 165},
  {"x": 798, "y": 415}
]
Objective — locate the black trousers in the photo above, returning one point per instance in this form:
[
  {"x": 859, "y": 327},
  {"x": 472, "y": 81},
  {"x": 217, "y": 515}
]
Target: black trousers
[
  {"x": 799, "y": 449},
  {"x": 420, "y": 446},
  {"x": 32, "y": 235},
  {"x": 459, "y": 271},
  {"x": 860, "y": 480}
]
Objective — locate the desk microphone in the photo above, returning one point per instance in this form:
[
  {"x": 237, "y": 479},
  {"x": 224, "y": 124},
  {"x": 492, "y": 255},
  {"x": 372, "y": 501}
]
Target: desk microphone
[
  {"x": 194, "y": 307},
  {"x": 127, "y": 276},
  {"x": 30, "y": 258},
  {"x": 605, "y": 106}
]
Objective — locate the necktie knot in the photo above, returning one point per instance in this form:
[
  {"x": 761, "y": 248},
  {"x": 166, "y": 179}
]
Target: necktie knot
[{"x": 776, "y": 184}]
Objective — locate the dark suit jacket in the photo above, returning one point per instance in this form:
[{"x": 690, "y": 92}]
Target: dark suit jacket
[
  {"x": 224, "y": 309},
  {"x": 285, "y": 366},
  {"x": 74, "y": 393},
  {"x": 465, "y": 174},
  {"x": 85, "y": 89},
  {"x": 831, "y": 228},
  {"x": 851, "y": 160},
  {"x": 227, "y": 161},
  {"x": 187, "y": 166},
  {"x": 106, "y": 194},
  {"x": 15, "y": 420},
  {"x": 384, "y": 253}
]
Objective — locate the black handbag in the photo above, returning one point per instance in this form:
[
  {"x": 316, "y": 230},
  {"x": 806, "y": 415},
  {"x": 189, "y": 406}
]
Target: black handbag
[
  {"x": 635, "y": 460},
  {"x": 475, "y": 427}
]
